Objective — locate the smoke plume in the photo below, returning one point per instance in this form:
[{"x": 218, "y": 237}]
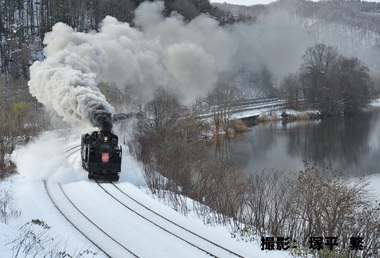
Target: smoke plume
[
  {"x": 66, "y": 81},
  {"x": 185, "y": 58}
]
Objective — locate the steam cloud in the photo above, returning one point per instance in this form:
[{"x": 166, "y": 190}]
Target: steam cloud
[
  {"x": 44, "y": 158},
  {"x": 186, "y": 58}
]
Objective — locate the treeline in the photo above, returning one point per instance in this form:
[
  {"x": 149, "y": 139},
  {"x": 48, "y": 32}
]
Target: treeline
[
  {"x": 329, "y": 82},
  {"x": 23, "y": 23}
]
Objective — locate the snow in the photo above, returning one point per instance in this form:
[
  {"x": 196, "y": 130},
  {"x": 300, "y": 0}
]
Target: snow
[
  {"x": 46, "y": 159},
  {"x": 375, "y": 103}
]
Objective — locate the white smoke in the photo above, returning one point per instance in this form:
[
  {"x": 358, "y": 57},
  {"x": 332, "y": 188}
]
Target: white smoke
[
  {"x": 274, "y": 42},
  {"x": 186, "y": 58},
  {"x": 45, "y": 158},
  {"x": 66, "y": 80}
]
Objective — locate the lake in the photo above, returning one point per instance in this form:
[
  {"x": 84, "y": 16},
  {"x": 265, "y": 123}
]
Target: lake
[{"x": 349, "y": 145}]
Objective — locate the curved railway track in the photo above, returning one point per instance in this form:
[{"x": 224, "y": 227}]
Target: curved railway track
[
  {"x": 71, "y": 151},
  {"x": 59, "y": 193},
  {"x": 95, "y": 234},
  {"x": 181, "y": 233}
]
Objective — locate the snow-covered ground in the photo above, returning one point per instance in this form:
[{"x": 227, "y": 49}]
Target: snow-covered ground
[{"x": 46, "y": 159}]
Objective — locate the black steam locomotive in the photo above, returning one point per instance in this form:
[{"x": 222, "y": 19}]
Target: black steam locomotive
[{"x": 101, "y": 155}]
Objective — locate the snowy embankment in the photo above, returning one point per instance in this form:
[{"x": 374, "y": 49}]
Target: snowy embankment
[{"x": 47, "y": 159}]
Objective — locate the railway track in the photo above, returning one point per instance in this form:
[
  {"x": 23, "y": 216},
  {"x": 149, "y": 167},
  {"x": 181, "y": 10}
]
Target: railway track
[
  {"x": 79, "y": 211},
  {"x": 90, "y": 230},
  {"x": 180, "y": 232},
  {"x": 79, "y": 220},
  {"x": 72, "y": 150}
]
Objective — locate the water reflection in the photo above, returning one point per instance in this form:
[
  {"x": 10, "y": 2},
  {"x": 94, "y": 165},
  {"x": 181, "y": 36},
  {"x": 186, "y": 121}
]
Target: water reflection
[{"x": 350, "y": 145}]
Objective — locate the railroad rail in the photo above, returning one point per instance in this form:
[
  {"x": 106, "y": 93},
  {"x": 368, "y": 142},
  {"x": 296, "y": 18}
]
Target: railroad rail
[
  {"x": 160, "y": 221},
  {"x": 57, "y": 195}
]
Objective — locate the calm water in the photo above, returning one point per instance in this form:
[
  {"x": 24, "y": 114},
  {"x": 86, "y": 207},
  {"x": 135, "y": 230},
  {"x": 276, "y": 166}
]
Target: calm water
[{"x": 351, "y": 145}]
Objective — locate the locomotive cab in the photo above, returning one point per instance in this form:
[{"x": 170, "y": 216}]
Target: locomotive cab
[{"x": 101, "y": 155}]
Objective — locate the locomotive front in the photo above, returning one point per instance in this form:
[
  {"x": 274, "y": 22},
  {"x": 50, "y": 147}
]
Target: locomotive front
[{"x": 101, "y": 155}]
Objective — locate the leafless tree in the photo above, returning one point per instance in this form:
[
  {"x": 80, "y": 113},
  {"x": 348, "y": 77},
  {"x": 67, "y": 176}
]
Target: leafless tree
[
  {"x": 168, "y": 137},
  {"x": 220, "y": 102},
  {"x": 292, "y": 89},
  {"x": 331, "y": 82}
]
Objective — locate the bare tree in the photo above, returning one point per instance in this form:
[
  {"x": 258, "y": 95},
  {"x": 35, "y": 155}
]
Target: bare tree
[
  {"x": 162, "y": 115},
  {"x": 168, "y": 137},
  {"x": 292, "y": 89},
  {"x": 220, "y": 102},
  {"x": 331, "y": 82}
]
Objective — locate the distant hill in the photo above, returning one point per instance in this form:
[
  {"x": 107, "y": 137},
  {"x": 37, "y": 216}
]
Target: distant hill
[{"x": 352, "y": 26}]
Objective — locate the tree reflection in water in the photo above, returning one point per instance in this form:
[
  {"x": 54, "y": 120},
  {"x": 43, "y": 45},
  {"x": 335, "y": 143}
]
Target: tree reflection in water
[{"x": 350, "y": 145}]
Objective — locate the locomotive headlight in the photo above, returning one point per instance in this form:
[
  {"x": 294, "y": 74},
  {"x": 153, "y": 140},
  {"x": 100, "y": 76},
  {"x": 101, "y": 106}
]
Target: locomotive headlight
[{"x": 105, "y": 138}]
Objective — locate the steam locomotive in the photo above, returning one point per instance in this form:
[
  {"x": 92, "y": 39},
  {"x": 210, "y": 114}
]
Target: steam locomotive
[{"x": 101, "y": 155}]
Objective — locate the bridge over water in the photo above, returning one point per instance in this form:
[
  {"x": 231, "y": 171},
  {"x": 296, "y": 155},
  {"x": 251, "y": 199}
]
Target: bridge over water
[{"x": 244, "y": 108}]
